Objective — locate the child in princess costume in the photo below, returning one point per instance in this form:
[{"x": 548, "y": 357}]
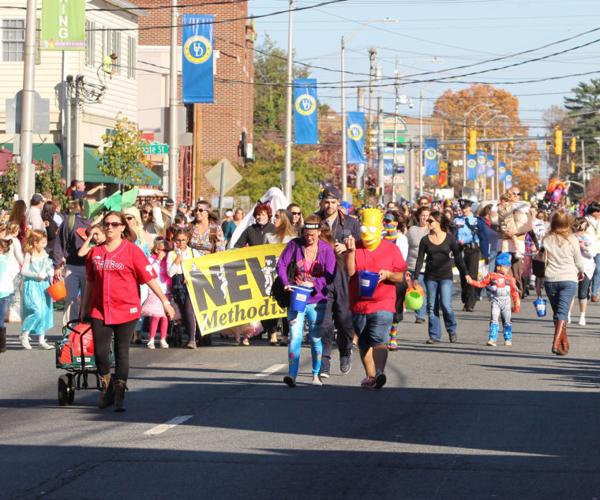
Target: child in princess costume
[{"x": 501, "y": 288}]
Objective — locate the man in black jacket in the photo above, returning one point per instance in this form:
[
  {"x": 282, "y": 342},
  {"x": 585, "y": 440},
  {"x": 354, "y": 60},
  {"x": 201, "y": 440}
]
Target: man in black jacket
[
  {"x": 338, "y": 305},
  {"x": 68, "y": 241}
]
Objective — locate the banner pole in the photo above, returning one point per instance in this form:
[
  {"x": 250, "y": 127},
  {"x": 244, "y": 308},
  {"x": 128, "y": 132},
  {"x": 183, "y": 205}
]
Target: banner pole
[{"x": 173, "y": 132}]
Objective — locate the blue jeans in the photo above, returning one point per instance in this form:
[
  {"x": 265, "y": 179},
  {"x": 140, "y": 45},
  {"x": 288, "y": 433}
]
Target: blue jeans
[
  {"x": 560, "y": 295},
  {"x": 421, "y": 313},
  {"x": 439, "y": 294},
  {"x": 596, "y": 276},
  {"x": 373, "y": 329},
  {"x": 4, "y": 303},
  {"x": 492, "y": 260},
  {"x": 314, "y": 314}
]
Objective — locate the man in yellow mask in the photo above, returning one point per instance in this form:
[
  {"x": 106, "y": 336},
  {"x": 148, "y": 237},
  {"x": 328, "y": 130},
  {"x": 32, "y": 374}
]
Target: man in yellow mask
[{"x": 374, "y": 266}]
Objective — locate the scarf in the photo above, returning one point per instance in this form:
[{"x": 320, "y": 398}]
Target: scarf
[{"x": 391, "y": 230}]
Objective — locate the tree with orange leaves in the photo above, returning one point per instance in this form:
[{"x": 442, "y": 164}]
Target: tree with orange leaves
[{"x": 493, "y": 113}]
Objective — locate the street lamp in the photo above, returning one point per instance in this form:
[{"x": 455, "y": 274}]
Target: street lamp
[
  {"x": 465, "y": 116},
  {"x": 344, "y": 41}
]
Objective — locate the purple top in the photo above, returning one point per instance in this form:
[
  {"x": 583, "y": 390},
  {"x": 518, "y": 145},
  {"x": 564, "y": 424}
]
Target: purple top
[{"x": 321, "y": 272}]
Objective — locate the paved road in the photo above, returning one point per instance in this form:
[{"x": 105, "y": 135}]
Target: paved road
[{"x": 454, "y": 421}]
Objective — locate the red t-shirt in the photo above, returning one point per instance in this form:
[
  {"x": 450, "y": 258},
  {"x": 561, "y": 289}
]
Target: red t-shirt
[
  {"x": 115, "y": 278},
  {"x": 386, "y": 256}
]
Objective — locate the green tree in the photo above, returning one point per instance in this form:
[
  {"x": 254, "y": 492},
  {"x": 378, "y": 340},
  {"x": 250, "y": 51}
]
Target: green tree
[
  {"x": 47, "y": 180},
  {"x": 270, "y": 82},
  {"x": 122, "y": 154},
  {"x": 8, "y": 186},
  {"x": 584, "y": 109}
]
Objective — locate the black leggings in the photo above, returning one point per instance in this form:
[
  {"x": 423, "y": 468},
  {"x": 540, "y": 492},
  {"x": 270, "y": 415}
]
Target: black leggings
[
  {"x": 103, "y": 335},
  {"x": 187, "y": 317}
]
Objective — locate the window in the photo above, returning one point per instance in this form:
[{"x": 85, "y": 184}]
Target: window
[
  {"x": 13, "y": 39},
  {"x": 131, "y": 57},
  {"x": 90, "y": 44},
  {"x": 115, "y": 47}
]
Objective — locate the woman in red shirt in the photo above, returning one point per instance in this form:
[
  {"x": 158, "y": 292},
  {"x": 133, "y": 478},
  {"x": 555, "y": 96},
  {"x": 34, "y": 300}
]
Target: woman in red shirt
[{"x": 111, "y": 298}]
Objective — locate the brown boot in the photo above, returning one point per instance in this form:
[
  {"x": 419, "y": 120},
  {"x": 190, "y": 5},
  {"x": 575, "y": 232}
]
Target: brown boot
[
  {"x": 107, "y": 397},
  {"x": 564, "y": 340},
  {"x": 3, "y": 339},
  {"x": 120, "y": 388},
  {"x": 559, "y": 325}
]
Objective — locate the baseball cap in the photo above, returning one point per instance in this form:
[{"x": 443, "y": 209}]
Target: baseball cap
[
  {"x": 229, "y": 213},
  {"x": 330, "y": 193},
  {"x": 169, "y": 201}
]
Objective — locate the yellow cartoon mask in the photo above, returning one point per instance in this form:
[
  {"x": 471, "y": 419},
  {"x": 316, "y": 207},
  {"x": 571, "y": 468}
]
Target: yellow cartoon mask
[{"x": 372, "y": 228}]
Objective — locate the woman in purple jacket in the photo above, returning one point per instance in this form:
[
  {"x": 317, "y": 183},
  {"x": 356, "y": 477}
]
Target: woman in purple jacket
[{"x": 314, "y": 267}]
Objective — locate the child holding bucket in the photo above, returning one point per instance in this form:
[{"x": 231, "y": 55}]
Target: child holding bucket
[
  {"x": 501, "y": 287},
  {"x": 37, "y": 272},
  {"x": 306, "y": 268}
]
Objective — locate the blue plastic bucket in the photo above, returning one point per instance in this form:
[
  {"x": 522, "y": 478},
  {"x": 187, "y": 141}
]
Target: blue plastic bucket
[
  {"x": 540, "y": 307},
  {"x": 367, "y": 282},
  {"x": 299, "y": 298}
]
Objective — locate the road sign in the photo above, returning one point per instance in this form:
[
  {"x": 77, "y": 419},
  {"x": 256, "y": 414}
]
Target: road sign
[
  {"x": 41, "y": 118},
  {"x": 155, "y": 148},
  {"x": 230, "y": 176}
]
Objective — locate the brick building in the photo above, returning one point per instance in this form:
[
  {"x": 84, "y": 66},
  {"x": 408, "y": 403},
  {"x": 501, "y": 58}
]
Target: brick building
[{"x": 219, "y": 128}]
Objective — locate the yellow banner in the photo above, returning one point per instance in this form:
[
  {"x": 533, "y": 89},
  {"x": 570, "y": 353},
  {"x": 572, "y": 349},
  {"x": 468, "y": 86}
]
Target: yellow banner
[{"x": 233, "y": 287}]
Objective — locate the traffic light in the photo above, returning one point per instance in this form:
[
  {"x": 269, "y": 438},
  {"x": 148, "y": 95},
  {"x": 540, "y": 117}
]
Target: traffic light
[
  {"x": 573, "y": 145},
  {"x": 472, "y": 149},
  {"x": 572, "y": 165},
  {"x": 536, "y": 165},
  {"x": 558, "y": 141}
]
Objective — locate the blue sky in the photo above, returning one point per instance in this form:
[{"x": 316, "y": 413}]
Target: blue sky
[{"x": 433, "y": 35}]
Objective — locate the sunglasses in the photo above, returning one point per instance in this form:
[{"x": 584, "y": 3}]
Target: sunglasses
[
  {"x": 112, "y": 224},
  {"x": 148, "y": 212},
  {"x": 200, "y": 210},
  {"x": 296, "y": 213}
]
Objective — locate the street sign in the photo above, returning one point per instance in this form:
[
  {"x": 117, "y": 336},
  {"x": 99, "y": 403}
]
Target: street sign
[
  {"x": 41, "y": 118},
  {"x": 230, "y": 176},
  {"x": 155, "y": 148}
]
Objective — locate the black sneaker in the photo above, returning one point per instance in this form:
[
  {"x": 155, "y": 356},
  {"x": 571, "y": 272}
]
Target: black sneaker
[
  {"x": 346, "y": 363},
  {"x": 420, "y": 320},
  {"x": 453, "y": 339},
  {"x": 325, "y": 367},
  {"x": 380, "y": 380},
  {"x": 289, "y": 381}
]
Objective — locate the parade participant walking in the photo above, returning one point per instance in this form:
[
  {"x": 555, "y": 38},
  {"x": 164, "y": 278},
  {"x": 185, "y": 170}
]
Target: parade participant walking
[
  {"x": 7, "y": 287},
  {"x": 501, "y": 288},
  {"x": 67, "y": 244},
  {"x": 564, "y": 267},
  {"x": 34, "y": 213},
  {"x": 111, "y": 298},
  {"x": 48, "y": 213},
  {"x": 206, "y": 236},
  {"x": 152, "y": 222},
  {"x": 18, "y": 215},
  {"x": 467, "y": 238},
  {"x": 436, "y": 250},
  {"x": 36, "y": 304},
  {"x": 228, "y": 226},
  {"x": 175, "y": 259},
  {"x": 314, "y": 265},
  {"x": 583, "y": 288},
  {"x": 593, "y": 231},
  {"x": 338, "y": 314},
  {"x": 373, "y": 316},
  {"x": 297, "y": 220},
  {"x": 153, "y": 307},
  {"x": 414, "y": 236},
  {"x": 488, "y": 237}
]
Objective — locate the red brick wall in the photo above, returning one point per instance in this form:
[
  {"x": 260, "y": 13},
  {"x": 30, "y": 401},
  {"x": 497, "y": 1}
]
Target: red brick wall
[{"x": 218, "y": 132}]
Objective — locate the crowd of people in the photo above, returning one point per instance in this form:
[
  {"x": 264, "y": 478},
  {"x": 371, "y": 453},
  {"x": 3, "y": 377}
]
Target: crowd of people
[{"x": 509, "y": 248}]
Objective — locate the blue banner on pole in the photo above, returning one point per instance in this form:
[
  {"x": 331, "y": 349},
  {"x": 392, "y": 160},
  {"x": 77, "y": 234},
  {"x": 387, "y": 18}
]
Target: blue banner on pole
[
  {"x": 491, "y": 170},
  {"x": 481, "y": 162},
  {"x": 355, "y": 137},
  {"x": 198, "y": 60},
  {"x": 508, "y": 179},
  {"x": 430, "y": 156},
  {"x": 471, "y": 167},
  {"x": 306, "y": 126},
  {"x": 501, "y": 171}
]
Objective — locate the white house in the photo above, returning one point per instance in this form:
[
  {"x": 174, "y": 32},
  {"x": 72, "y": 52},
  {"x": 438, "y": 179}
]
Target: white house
[{"x": 111, "y": 27}]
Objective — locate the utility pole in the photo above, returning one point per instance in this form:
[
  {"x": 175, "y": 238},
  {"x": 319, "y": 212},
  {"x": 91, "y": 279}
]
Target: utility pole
[
  {"x": 420, "y": 143},
  {"x": 27, "y": 171},
  {"x": 173, "y": 132},
  {"x": 372, "y": 56},
  {"x": 287, "y": 181},
  {"x": 360, "y": 98},
  {"x": 396, "y": 115},
  {"x": 76, "y": 162},
  {"x": 583, "y": 169},
  {"x": 343, "y": 128},
  {"x": 380, "y": 150}
]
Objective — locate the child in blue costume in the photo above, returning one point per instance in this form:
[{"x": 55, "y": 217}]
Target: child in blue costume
[{"x": 37, "y": 313}]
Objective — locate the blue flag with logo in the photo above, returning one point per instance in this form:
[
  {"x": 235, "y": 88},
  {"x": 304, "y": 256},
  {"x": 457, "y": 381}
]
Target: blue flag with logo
[
  {"x": 430, "y": 156},
  {"x": 306, "y": 126},
  {"x": 198, "y": 61},
  {"x": 501, "y": 171},
  {"x": 355, "y": 137},
  {"x": 491, "y": 171},
  {"x": 481, "y": 162},
  {"x": 471, "y": 167},
  {"x": 508, "y": 179}
]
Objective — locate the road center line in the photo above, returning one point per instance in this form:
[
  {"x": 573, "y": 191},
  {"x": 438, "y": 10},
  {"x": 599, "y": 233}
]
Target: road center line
[
  {"x": 159, "y": 429},
  {"x": 270, "y": 370}
]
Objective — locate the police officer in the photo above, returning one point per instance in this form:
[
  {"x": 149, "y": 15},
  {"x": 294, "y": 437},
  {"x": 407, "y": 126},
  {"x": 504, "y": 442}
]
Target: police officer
[
  {"x": 338, "y": 306},
  {"x": 468, "y": 244}
]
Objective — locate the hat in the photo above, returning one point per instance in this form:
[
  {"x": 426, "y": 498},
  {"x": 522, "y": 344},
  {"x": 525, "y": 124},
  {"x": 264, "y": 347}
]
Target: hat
[
  {"x": 169, "y": 201},
  {"x": 503, "y": 259},
  {"x": 330, "y": 193},
  {"x": 36, "y": 199},
  {"x": 229, "y": 213}
]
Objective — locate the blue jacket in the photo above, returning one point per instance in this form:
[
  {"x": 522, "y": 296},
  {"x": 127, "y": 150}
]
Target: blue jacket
[
  {"x": 488, "y": 238},
  {"x": 466, "y": 229}
]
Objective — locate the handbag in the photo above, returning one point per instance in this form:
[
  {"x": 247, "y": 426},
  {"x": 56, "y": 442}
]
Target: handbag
[
  {"x": 538, "y": 264},
  {"x": 278, "y": 291}
]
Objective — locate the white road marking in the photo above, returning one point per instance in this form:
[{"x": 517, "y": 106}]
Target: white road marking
[
  {"x": 159, "y": 429},
  {"x": 271, "y": 370}
]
